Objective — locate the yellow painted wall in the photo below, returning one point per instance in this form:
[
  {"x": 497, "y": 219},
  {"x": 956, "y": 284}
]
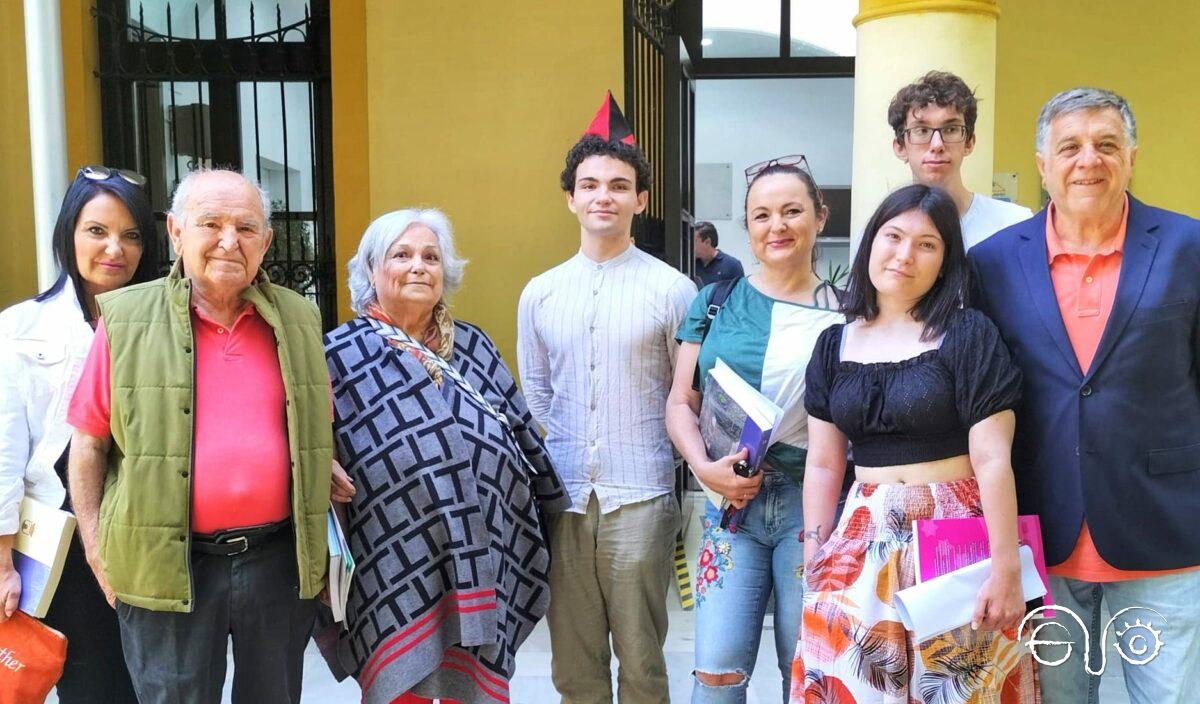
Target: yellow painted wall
[
  {"x": 81, "y": 87},
  {"x": 81, "y": 90},
  {"x": 471, "y": 107},
  {"x": 351, "y": 145},
  {"x": 18, "y": 266},
  {"x": 1149, "y": 53}
]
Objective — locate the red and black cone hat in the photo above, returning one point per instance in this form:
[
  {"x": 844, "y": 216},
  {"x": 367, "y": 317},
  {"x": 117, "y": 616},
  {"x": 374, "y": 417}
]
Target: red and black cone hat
[{"x": 609, "y": 124}]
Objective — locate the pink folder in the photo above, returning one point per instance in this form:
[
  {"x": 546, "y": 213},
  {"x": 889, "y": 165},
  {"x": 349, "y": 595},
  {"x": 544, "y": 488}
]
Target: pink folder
[{"x": 942, "y": 545}]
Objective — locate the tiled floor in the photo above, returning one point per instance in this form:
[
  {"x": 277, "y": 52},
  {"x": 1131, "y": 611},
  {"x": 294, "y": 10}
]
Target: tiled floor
[
  {"x": 532, "y": 685},
  {"x": 532, "y": 682}
]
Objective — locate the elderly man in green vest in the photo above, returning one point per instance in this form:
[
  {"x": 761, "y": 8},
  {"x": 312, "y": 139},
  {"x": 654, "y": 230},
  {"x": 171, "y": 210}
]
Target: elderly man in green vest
[{"x": 200, "y": 463}]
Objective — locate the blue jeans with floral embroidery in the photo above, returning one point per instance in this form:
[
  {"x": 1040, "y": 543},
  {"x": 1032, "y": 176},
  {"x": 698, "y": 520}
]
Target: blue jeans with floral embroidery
[{"x": 737, "y": 570}]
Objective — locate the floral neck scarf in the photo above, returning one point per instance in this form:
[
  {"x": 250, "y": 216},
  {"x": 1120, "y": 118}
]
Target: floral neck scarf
[{"x": 439, "y": 338}]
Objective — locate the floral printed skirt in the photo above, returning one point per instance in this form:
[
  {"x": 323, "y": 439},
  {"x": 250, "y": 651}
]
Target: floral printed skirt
[{"x": 853, "y": 648}]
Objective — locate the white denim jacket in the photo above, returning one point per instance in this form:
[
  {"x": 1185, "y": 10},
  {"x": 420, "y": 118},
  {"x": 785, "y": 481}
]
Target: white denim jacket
[{"x": 43, "y": 345}]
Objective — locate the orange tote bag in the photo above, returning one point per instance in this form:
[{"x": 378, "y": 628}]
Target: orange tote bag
[{"x": 31, "y": 659}]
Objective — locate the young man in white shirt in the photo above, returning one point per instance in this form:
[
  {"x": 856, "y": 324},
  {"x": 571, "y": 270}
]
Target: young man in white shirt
[
  {"x": 934, "y": 122},
  {"x": 596, "y": 347}
]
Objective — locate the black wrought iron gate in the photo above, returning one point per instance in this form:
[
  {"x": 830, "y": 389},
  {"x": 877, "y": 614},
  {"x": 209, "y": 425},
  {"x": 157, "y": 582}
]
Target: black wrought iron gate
[
  {"x": 241, "y": 84},
  {"x": 660, "y": 104}
]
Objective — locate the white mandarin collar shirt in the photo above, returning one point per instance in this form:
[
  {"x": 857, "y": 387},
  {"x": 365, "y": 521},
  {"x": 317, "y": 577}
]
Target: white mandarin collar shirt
[{"x": 596, "y": 349}]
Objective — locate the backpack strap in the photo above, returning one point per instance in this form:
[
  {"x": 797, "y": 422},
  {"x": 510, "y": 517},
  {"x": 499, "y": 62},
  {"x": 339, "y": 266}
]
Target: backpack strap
[{"x": 717, "y": 294}]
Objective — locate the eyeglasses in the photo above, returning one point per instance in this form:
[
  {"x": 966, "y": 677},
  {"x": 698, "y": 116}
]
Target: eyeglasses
[
  {"x": 103, "y": 173},
  {"x": 796, "y": 160},
  {"x": 951, "y": 134}
]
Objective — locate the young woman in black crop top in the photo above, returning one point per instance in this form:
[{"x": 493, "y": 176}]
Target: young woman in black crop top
[{"x": 924, "y": 390}]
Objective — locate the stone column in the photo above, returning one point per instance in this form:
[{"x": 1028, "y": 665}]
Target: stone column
[{"x": 47, "y": 127}]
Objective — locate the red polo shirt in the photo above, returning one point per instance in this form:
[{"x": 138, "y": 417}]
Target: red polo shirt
[
  {"x": 241, "y": 469},
  {"x": 1086, "y": 286}
]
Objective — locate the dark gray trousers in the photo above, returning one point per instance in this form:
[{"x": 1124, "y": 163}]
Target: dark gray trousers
[{"x": 177, "y": 658}]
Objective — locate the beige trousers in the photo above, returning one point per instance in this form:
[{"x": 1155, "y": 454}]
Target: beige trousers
[{"x": 609, "y": 574}]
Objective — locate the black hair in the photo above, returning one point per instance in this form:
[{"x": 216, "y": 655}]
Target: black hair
[
  {"x": 814, "y": 191},
  {"x": 810, "y": 184},
  {"x": 594, "y": 145},
  {"x": 81, "y": 191},
  {"x": 707, "y": 232},
  {"x": 948, "y": 294}
]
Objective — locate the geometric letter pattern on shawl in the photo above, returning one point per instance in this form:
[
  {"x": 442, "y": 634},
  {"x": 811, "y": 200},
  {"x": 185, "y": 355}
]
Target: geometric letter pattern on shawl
[{"x": 445, "y": 505}]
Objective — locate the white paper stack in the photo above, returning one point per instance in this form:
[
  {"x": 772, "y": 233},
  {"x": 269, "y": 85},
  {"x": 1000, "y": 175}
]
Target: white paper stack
[{"x": 947, "y": 602}]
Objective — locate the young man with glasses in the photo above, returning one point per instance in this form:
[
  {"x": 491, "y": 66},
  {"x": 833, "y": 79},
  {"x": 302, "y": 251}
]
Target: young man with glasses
[{"x": 934, "y": 122}]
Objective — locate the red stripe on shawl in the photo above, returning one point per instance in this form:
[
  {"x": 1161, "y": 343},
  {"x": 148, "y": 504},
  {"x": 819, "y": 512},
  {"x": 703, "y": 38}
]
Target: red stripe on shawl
[
  {"x": 407, "y": 698},
  {"x": 498, "y": 696},
  {"x": 463, "y": 596},
  {"x": 467, "y": 658},
  {"x": 465, "y": 665},
  {"x": 435, "y": 616}
]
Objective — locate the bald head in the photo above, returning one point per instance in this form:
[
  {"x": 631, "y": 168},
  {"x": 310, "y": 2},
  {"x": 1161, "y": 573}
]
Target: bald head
[
  {"x": 223, "y": 180},
  {"x": 220, "y": 228}
]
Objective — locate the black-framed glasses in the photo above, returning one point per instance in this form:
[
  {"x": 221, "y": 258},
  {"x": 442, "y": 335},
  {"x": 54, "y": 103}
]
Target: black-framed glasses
[
  {"x": 796, "y": 160},
  {"x": 103, "y": 173},
  {"x": 951, "y": 134}
]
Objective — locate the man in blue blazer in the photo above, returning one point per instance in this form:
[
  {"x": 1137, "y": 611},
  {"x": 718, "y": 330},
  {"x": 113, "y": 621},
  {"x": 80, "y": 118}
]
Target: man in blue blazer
[{"x": 1098, "y": 297}]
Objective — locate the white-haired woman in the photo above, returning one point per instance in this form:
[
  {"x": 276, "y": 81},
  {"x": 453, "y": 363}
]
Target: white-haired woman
[{"x": 450, "y": 476}]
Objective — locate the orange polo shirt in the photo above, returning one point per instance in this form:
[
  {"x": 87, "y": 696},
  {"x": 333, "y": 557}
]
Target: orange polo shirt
[{"x": 1086, "y": 286}]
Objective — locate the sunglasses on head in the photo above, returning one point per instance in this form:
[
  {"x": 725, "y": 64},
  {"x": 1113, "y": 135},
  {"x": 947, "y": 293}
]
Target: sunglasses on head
[
  {"x": 103, "y": 173},
  {"x": 796, "y": 160}
]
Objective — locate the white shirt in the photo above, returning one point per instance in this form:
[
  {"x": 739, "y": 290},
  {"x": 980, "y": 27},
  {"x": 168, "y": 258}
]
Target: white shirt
[
  {"x": 987, "y": 216},
  {"x": 42, "y": 348},
  {"x": 595, "y": 349}
]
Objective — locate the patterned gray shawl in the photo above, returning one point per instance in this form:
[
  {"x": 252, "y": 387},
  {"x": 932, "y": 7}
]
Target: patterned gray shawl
[{"x": 446, "y": 525}]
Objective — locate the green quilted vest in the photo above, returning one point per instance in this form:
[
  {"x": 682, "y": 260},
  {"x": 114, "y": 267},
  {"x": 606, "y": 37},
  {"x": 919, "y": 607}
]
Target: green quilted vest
[{"x": 145, "y": 515}]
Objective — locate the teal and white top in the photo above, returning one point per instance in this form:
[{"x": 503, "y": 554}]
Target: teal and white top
[{"x": 768, "y": 343}]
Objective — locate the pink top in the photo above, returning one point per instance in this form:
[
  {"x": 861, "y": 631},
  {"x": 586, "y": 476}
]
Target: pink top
[
  {"x": 1086, "y": 286},
  {"x": 241, "y": 468}
]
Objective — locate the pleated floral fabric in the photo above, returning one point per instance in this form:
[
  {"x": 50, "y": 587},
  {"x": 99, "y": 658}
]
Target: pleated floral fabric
[{"x": 853, "y": 648}]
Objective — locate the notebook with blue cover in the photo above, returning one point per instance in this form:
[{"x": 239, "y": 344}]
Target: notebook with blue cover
[{"x": 735, "y": 415}]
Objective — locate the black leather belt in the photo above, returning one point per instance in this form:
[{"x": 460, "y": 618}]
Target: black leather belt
[{"x": 236, "y": 541}]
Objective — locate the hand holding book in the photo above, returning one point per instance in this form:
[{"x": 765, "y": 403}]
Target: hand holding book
[
  {"x": 719, "y": 478},
  {"x": 10, "y": 580},
  {"x": 736, "y": 422}
]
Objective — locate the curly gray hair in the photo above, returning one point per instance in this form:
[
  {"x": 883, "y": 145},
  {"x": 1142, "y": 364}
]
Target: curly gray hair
[{"x": 382, "y": 233}]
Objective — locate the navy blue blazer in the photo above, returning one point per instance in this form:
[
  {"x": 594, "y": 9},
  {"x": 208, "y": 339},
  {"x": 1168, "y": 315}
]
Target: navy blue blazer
[{"x": 1118, "y": 443}]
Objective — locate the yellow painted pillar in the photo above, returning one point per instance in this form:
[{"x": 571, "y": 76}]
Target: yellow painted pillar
[{"x": 898, "y": 41}]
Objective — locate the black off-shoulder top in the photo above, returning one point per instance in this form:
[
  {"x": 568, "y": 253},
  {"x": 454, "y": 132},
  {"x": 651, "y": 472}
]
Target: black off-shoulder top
[{"x": 919, "y": 409}]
